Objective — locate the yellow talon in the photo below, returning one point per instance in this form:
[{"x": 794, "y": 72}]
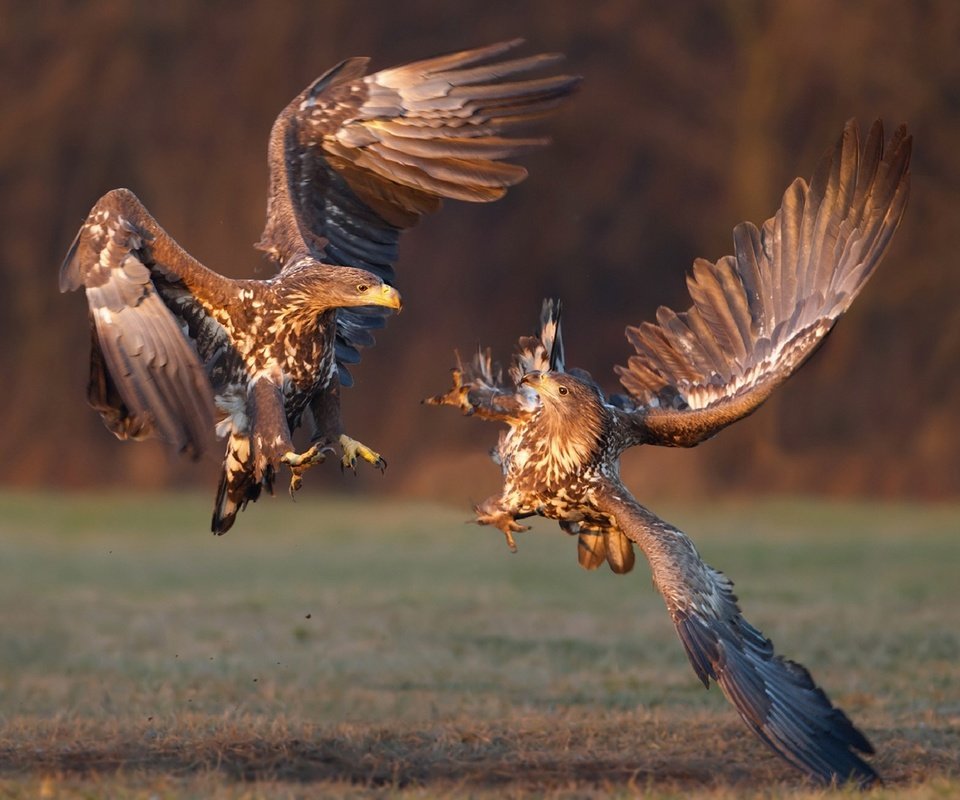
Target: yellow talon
[
  {"x": 456, "y": 396},
  {"x": 352, "y": 450},
  {"x": 301, "y": 462}
]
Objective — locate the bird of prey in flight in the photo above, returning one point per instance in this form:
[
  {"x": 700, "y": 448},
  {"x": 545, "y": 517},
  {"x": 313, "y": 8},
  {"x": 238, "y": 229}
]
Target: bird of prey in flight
[
  {"x": 756, "y": 317},
  {"x": 179, "y": 350}
]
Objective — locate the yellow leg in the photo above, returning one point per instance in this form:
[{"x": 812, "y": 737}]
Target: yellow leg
[{"x": 301, "y": 462}]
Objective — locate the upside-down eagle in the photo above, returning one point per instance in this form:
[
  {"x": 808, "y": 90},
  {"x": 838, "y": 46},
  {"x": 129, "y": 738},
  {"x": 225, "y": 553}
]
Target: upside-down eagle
[
  {"x": 178, "y": 349},
  {"x": 756, "y": 317}
]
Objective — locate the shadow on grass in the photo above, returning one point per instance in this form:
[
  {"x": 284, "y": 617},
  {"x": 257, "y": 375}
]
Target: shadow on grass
[{"x": 667, "y": 756}]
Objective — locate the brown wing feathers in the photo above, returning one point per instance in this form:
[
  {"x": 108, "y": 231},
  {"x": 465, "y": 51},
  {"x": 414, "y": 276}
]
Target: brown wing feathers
[
  {"x": 443, "y": 138},
  {"x": 776, "y": 697},
  {"x": 404, "y": 137},
  {"x": 757, "y": 315},
  {"x": 153, "y": 381},
  {"x": 356, "y": 158}
]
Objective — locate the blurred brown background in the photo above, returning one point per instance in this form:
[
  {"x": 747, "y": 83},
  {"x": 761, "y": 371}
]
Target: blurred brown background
[{"x": 691, "y": 117}]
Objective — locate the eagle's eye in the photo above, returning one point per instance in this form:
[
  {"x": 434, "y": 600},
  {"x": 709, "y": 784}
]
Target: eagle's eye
[
  {"x": 562, "y": 390},
  {"x": 362, "y": 287}
]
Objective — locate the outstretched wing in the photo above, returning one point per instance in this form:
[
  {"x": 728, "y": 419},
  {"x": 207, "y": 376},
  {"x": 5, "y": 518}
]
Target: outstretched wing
[
  {"x": 146, "y": 376},
  {"x": 479, "y": 386},
  {"x": 356, "y": 158},
  {"x": 777, "y": 698},
  {"x": 759, "y": 314}
]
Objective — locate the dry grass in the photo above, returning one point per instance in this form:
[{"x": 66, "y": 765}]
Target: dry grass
[{"x": 342, "y": 649}]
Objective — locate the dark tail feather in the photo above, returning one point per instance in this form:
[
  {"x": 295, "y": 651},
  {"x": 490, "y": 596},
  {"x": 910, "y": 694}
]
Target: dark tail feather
[{"x": 238, "y": 484}]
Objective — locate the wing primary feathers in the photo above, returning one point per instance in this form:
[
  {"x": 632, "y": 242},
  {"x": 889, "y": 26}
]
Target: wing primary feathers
[
  {"x": 450, "y": 61},
  {"x": 356, "y": 158},
  {"x": 156, "y": 380},
  {"x": 748, "y": 252},
  {"x": 835, "y": 207},
  {"x": 440, "y": 103},
  {"x": 455, "y": 171},
  {"x": 498, "y": 71},
  {"x": 411, "y": 142},
  {"x": 776, "y": 698},
  {"x": 759, "y": 314}
]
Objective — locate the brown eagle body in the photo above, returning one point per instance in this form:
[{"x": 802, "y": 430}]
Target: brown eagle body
[
  {"x": 178, "y": 350},
  {"x": 756, "y": 317}
]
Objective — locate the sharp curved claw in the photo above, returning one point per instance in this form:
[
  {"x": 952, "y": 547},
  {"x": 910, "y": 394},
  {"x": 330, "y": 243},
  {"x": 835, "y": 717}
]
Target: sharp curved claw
[
  {"x": 301, "y": 462},
  {"x": 455, "y": 396},
  {"x": 354, "y": 450},
  {"x": 502, "y": 519},
  {"x": 317, "y": 454}
]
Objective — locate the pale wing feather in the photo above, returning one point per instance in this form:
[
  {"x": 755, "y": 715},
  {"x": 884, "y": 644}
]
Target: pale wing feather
[
  {"x": 152, "y": 368},
  {"x": 759, "y": 314}
]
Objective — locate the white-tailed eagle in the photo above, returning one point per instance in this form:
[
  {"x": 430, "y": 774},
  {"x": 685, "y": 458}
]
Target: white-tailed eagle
[
  {"x": 756, "y": 317},
  {"x": 178, "y": 350}
]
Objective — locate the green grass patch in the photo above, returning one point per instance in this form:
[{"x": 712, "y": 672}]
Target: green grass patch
[{"x": 347, "y": 648}]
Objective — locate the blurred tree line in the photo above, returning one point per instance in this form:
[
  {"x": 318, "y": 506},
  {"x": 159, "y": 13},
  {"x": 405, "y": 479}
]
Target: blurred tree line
[{"x": 691, "y": 117}]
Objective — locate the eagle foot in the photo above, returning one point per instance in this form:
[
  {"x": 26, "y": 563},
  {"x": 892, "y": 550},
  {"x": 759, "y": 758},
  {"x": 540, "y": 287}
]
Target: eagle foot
[
  {"x": 456, "y": 396},
  {"x": 352, "y": 450},
  {"x": 502, "y": 519},
  {"x": 301, "y": 462}
]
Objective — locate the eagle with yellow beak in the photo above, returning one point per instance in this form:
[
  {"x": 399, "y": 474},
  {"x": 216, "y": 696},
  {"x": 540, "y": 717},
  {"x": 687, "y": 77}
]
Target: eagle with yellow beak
[
  {"x": 179, "y": 350},
  {"x": 756, "y": 317}
]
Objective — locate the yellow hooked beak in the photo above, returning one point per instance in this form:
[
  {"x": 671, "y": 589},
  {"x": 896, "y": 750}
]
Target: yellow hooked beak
[{"x": 389, "y": 297}]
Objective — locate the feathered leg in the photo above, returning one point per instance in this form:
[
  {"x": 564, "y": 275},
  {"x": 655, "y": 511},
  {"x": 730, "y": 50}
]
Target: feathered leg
[{"x": 251, "y": 462}]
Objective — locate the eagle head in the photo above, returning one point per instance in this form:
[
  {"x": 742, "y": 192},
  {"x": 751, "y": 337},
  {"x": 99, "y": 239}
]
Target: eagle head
[
  {"x": 570, "y": 419},
  {"x": 324, "y": 287}
]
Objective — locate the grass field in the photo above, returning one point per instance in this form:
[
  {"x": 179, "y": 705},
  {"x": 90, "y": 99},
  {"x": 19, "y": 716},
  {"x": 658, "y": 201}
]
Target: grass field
[{"x": 352, "y": 649}]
